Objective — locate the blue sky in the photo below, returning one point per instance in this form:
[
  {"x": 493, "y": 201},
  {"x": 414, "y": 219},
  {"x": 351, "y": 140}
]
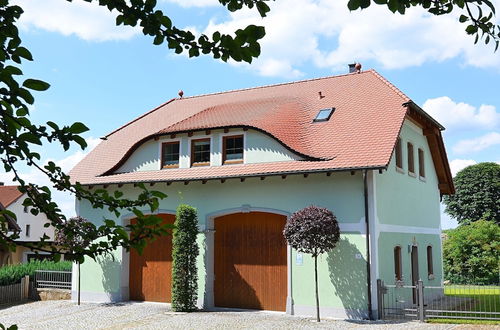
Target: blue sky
[{"x": 104, "y": 75}]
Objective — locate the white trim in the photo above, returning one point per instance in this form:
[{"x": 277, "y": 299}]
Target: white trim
[
  {"x": 358, "y": 227},
  {"x": 221, "y": 144},
  {"x": 167, "y": 140},
  {"x": 374, "y": 236},
  {"x": 408, "y": 229},
  {"x": 200, "y": 137},
  {"x": 209, "y": 229},
  {"x": 125, "y": 261}
]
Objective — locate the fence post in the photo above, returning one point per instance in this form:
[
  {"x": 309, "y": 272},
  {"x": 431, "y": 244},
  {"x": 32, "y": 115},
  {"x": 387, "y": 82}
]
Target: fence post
[
  {"x": 380, "y": 300},
  {"x": 421, "y": 310},
  {"x": 26, "y": 286}
]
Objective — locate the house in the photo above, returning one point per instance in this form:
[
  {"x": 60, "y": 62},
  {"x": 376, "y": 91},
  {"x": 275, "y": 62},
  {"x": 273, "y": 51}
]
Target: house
[
  {"x": 246, "y": 159},
  {"x": 30, "y": 227}
]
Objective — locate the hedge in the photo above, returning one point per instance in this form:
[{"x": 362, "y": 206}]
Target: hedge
[
  {"x": 12, "y": 274},
  {"x": 185, "y": 252}
]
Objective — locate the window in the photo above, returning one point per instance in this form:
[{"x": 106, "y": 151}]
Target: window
[
  {"x": 27, "y": 231},
  {"x": 232, "y": 149},
  {"x": 411, "y": 161},
  {"x": 200, "y": 152},
  {"x": 324, "y": 114},
  {"x": 398, "y": 270},
  {"x": 399, "y": 154},
  {"x": 170, "y": 154},
  {"x": 421, "y": 164},
  {"x": 430, "y": 267}
]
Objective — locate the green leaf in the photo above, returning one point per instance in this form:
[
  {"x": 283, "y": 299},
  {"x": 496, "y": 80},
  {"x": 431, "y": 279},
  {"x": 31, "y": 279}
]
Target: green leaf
[
  {"x": 353, "y": 4},
  {"x": 78, "y": 128},
  {"x": 24, "y": 53},
  {"x": 36, "y": 85},
  {"x": 463, "y": 19}
]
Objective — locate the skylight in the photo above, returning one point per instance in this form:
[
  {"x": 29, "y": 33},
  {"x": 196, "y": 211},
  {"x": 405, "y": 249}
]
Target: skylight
[{"x": 324, "y": 114}]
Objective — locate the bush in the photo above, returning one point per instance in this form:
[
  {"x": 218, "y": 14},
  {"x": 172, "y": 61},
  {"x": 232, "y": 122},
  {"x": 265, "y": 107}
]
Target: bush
[
  {"x": 185, "y": 252},
  {"x": 471, "y": 253},
  {"x": 313, "y": 230},
  {"x": 14, "y": 273}
]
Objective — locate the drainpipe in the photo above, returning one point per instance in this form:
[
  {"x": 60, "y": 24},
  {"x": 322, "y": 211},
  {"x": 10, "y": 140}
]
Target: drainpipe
[{"x": 368, "y": 258}]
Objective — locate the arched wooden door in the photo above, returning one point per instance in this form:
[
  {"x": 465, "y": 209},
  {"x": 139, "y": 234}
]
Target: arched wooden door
[
  {"x": 250, "y": 261},
  {"x": 150, "y": 276}
]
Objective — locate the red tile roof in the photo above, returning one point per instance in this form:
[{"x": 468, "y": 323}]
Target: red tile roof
[
  {"x": 9, "y": 194},
  {"x": 369, "y": 112}
]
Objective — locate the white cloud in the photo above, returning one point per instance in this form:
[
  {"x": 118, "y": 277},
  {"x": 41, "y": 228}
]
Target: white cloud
[
  {"x": 461, "y": 115},
  {"x": 64, "y": 200},
  {"x": 325, "y": 33},
  {"x": 86, "y": 20},
  {"x": 456, "y": 165},
  {"x": 477, "y": 144}
]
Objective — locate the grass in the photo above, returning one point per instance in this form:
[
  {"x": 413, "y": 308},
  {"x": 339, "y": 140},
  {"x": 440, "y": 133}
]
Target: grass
[{"x": 485, "y": 299}]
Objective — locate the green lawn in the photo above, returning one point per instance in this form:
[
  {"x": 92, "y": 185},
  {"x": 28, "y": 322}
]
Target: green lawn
[{"x": 486, "y": 299}]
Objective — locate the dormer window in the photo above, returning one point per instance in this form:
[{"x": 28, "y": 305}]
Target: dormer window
[
  {"x": 324, "y": 114},
  {"x": 200, "y": 152},
  {"x": 170, "y": 154},
  {"x": 232, "y": 147}
]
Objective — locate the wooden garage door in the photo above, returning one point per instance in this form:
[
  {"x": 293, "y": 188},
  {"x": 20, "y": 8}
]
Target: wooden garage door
[
  {"x": 151, "y": 273},
  {"x": 250, "y": 261}
]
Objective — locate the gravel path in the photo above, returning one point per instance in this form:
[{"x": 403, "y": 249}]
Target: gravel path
[{"x": 133, "y": 315}]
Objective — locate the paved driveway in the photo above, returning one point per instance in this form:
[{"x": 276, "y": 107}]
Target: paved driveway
[{"x": 134, "y": 315}]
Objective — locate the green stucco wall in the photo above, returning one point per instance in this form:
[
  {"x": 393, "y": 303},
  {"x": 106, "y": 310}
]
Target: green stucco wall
[
  {"x": 342, "y": 272},
  {"x": 407, "y": 211},
  {"x": 407, "y": 200}
]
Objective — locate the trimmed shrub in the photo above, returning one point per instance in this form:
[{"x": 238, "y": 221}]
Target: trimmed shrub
[
  {"x": 185, "y": 252},
  {"x": 313, "y": 230},
  {"x": 12, "y": 274}
]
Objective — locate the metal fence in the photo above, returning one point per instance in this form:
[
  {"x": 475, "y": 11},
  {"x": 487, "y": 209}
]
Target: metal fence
[
  {"x": 52, "y": 279},
  {"x": 14, "y": 293},
  {"x": 419, "y": 302}
]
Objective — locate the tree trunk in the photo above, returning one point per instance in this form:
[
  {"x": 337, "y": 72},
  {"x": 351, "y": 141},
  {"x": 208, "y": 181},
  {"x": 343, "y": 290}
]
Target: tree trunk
[
  {"x": 79, "y": 283},
  {"x": 316, "y": 280}
]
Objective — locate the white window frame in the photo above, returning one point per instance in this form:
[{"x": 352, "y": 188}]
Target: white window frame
[
  {"x": 199, "y": 137},
  {"x": 231, "y": 133},
  {"x": 168, "y": 140}
]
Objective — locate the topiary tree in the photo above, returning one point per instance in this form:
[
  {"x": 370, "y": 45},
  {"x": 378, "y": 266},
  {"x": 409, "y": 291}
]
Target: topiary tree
[
  {"x": 185, "y": 252},
  {"x": 313, "y": 230},
  {"x": 74, "y": 236},
  {"x": 477, "y": 194},
  {"x": 471, "y": 253}
]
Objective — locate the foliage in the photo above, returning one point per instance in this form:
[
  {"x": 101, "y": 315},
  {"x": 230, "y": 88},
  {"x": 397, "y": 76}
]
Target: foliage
[
  {"x": 185, "y": 252},
  {"x": 477, "y": 194},
  {"x": 471, "y": 254},
  {"x": 313, "y": 230},
  {"x": 19, "y": 136},
  {"x": 478, "y": 15},
  {"x": 12, "y": 274}
]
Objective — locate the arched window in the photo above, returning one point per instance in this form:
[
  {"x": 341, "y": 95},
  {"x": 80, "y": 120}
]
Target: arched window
[
  {"x": 421, "y": 164},
  {"x": 399, "y": 154},
  {"x": 430, "y": 267},
  {"x": 411, "y": 159},
  {"x": 398, "y": 270}
]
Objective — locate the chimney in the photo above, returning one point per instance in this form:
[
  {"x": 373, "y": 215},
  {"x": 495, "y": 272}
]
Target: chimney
[{"x": 352, "y": 67}]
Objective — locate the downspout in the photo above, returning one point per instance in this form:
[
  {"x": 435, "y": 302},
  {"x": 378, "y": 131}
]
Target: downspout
[{"x": 368, "y": 259}]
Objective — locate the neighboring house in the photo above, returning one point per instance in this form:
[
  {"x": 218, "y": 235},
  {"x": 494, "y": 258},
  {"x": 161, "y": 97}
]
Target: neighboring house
[
  {"x": 30, "y": 227},
  {"x": 247, "y": 159}
]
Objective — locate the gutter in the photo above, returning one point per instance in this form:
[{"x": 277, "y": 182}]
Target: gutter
[{"x": 368, "y": 258}]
